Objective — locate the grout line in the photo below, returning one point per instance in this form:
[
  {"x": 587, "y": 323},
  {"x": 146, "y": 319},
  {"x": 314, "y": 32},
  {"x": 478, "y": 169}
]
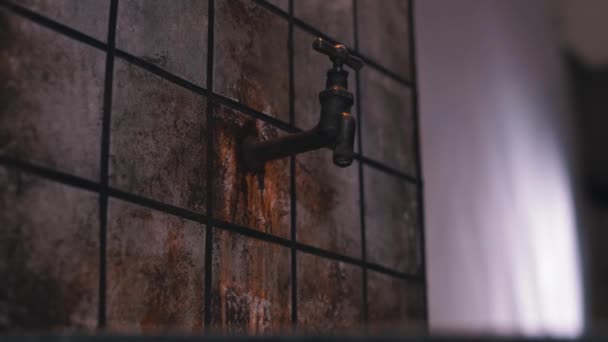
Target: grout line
[
  {"x": 360, "y": 167},
  {"x": 312, "y": 30},
  {"x": 420, "y": 190},
  {"x": 254, "y": 113},
  {"x": 166, "y": 75},
  {"x": 187, "y": 214},
  {"x": 159, "y": 206},
  {"x": 386, "y": 169},
  {"x": 209, "y": 177},
  {"x": 292, "y": 176},
  {"x": 104, "y": 165},
  {"x": 57, "y": 176},
  {"x": 162, "y": 73}
]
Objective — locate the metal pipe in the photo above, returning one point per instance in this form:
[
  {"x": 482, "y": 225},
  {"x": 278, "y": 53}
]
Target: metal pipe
[{"x": 255, "y": 152}]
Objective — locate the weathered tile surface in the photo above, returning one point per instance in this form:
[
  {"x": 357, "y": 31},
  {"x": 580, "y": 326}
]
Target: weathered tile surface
[
  {"x": 170, "y": 34},
  {"x": 51, "y": 90},
  {"x": 395, "y": 305},
  {"x": 282, "y": 4},
  {"x": 257, "y": 200},
  {"x": 310, "y": 73},
  {"x": 51, "y": 95},
  {"x": 334, "y": 18},
  {"x": 48, "y": 255},
  {"x": 328, "y": 204},
  {"x": 251, "y": 64},
  {"x": 330, "y": 296},
  {"x": 251, "y": 291},
  {"x": 155, "y": 271},
  {"x": 158, "y": 137},
  {"x": 391, "y": 221},
  {"x": 87, "y": 16},
  {"x": 387, "y": 125},
  {"x": 384, "y": 33}
]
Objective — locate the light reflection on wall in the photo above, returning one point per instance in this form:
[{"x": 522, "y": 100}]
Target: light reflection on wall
[{"x": 501, "y": 240}]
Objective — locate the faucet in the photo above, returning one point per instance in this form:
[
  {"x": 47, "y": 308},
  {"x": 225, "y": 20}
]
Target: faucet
[{"x": 336, "y": 126}]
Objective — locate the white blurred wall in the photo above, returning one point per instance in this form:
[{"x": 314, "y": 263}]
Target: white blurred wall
[{"x": 500, "y": 226}]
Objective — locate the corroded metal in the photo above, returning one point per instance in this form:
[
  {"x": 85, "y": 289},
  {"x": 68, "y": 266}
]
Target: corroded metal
[{"x": 336, "y": 127}]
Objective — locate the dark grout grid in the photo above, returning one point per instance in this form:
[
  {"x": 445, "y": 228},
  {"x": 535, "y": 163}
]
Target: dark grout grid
[
  {"x": 105, "y": 153},
  {"x": 292, "y": 173},
  {"x": 210, "y": 120},
  {"x": 105, "y": 191},
  {"x": 360, "y": 168}
]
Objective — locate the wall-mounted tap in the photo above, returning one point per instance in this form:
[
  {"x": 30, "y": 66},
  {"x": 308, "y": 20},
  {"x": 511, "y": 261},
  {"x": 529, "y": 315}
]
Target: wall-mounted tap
[{"x": 336, "y": 127}]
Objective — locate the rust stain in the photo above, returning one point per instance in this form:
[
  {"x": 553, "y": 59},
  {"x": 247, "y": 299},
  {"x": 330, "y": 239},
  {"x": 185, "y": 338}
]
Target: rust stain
[
  {"x": 251, "y": 286},
  {"x": 257, "y": 200},
  {"x": 249, "y": 91},
  {"x": 249, "y": 16},
  {"x": 243, "y": 312}
]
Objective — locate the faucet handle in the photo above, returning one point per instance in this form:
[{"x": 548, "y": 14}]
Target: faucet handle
[{"x": 338, "y": 54}]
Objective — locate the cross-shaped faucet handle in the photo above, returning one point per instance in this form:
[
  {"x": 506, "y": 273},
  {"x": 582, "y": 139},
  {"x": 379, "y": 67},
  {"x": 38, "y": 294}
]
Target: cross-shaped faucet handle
[{"x": 338, "y": 54}]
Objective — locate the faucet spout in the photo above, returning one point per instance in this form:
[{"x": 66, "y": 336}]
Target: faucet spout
[{"x": 344, "y": 149}]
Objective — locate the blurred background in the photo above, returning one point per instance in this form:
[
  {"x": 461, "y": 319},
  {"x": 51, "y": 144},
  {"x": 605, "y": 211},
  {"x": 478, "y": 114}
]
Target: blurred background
[{"x": 513, "y": 99}]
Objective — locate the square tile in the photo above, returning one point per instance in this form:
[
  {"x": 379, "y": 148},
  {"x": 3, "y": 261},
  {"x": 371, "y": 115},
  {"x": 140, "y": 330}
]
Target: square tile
[
  {"x": 49, "y": 255},
  {"x": 251, "y": 60},
  {"x": 387, "y": 122},
  {"x": 52, "y": 98},
  {"x": 251, "y": 293},
  {"x": 391, "y": 221},
  {"x": 384, "y": 26},
  {"x": 155, "y": 271},
  {"x": 170, "y": 34},
  {"x": 310, "y": 73},
  {"x": 158, "y": 139},
  {"x": 257, "y": 200},
  {"x": 330, "y": 296},
  {"x": 90, "y": 17},
  {"x": 334, "y": 18},
  {"x": 395, "y": 305},
  {"x": 327, "y": 203}
]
